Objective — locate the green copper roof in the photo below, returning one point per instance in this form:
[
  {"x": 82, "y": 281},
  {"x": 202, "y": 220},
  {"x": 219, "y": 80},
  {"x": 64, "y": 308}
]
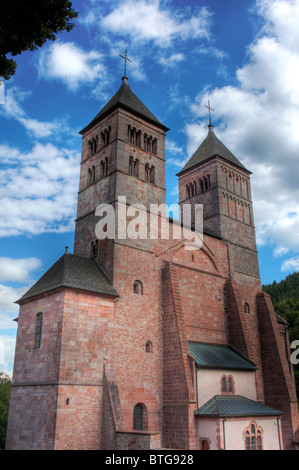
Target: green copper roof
[
  {"x": 126, "y": 99},
  {"x": 235, "y": 405},
  {"x": 211, "y": 147},
  {"x": 217, "y": 356}
]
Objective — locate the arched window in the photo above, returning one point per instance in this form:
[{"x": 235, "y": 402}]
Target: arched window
[
  {"x": 201, "y": 185},
  {"x": 230, "y": 385},
  {"x": 131, "y": 166},
  {"x": 147, "y": 172},
  {"x": 38, "y": 330},
  {"x": 152, "y": 174},
  {"x": 138, "y": 139},
  {"x": 136, "y": 168},
  {"x": 224, "y": 385},
  {"x": 140, "y": 417},
  {"x": 92, "y": 175},
  {"x": 138, "y": 287},
  {"x": 93, "y": 144},
  {"x": 148, "y": 347},
  {"x": 253, "y": 437},
  {"x": 104, "y": 167},
  {"x": 246, "y": 308}
]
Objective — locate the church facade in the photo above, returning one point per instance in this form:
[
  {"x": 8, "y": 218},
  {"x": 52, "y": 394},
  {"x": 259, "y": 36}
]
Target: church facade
[{"x": 142, "y": 343}]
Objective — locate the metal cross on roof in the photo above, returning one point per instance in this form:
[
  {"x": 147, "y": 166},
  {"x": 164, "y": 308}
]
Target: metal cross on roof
[
  {"x": 126, "y": 59},
  {"x": 210, "y": 109}
]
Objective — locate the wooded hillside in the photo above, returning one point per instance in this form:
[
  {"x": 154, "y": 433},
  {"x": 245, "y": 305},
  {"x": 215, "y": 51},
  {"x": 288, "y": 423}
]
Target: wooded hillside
[{"x": 285, "y": 298}]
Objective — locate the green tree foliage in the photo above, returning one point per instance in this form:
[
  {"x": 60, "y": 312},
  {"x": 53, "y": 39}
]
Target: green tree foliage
[
  {"x": 27, "y": 25},
  {"x": 5, "y": 385},
  {"x": 285, "y": 298},
  {"x": 285, "y": 289}
]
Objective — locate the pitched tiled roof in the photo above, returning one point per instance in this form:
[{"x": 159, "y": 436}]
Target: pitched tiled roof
[
  {"x": 235, "y": 405},
  {"x": 217, "y": 356},
  {"x": 74, "y": 272},
  {"x": 127, "y": 100},
  {"x": 209, "y": 148}
]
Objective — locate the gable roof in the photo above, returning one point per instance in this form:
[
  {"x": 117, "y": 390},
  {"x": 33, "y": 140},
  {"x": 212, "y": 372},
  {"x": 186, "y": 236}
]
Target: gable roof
[
  {"x": 218, "y": 356},
  {"x": 235, "y": 405},
  {"x": 74, "y": 272},
  {"x": 211, "y": 147},
  {"x": 126, "y": 100}
]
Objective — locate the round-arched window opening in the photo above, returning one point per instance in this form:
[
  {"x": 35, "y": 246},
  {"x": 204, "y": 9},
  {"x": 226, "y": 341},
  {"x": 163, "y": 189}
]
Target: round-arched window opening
[
  {"x": 148, "y": 347},
  {"x": 140, "y": 417},
  {"x": 246, "y": 308},
  {"x": 138, "y": 288}
]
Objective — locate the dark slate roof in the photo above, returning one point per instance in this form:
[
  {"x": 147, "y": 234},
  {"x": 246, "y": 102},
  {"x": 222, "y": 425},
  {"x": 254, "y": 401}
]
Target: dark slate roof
[
  {"x": 211, "y": 147},
  {"x": 235, "y": 405},
  {"x": 127, "y": 100},
  {"x": 74, "y": 272},
  {"x": 216, "y": 356}
]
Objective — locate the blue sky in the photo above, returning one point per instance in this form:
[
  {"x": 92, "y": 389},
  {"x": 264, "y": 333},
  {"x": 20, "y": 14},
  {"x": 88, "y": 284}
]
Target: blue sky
[{"x": 243, "y": 56}]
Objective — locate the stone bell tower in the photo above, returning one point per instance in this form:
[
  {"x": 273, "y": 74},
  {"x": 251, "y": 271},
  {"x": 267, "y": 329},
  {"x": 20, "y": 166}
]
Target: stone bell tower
[
  {"x": 214, "y": 177},
  {"x": 123, "y": 154}
]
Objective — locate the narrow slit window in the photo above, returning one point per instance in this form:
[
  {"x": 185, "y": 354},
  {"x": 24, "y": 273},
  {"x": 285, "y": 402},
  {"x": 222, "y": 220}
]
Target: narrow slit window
[
  {"x": 224, "y": 385},
  {"x": 246, "y": 308},
  {"x": 38, "y": 330}
]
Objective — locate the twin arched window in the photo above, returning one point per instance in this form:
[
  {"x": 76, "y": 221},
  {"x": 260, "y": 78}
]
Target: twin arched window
[
  {"x": 134, "y": 167},
  {"x": 227, "y": 384}
]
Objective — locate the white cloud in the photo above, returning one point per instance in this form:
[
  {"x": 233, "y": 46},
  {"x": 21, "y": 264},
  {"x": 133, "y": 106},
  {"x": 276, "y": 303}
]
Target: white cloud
[
  {"x": 70, "y": 64},
  {"x": 12, "y": 109},
  {"x": 17, "y": 270},
  {"x": 7, "y": 352},
  {"x": 147, "y": 20},
  {"x": 211, "y": 51},
  {"x": 9, "y": 309},
  {"x": 291, "y": 265},
  {"x": 260, "y": 121},
  {"x": 172, "y": 60},
  {"x": 173, "y": 147},
  {"x": 36, "y": 196}
]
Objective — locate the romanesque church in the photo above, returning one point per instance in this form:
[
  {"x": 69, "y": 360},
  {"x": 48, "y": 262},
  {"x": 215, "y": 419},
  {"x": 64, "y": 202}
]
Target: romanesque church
[{"x": 142, "y": 343}]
